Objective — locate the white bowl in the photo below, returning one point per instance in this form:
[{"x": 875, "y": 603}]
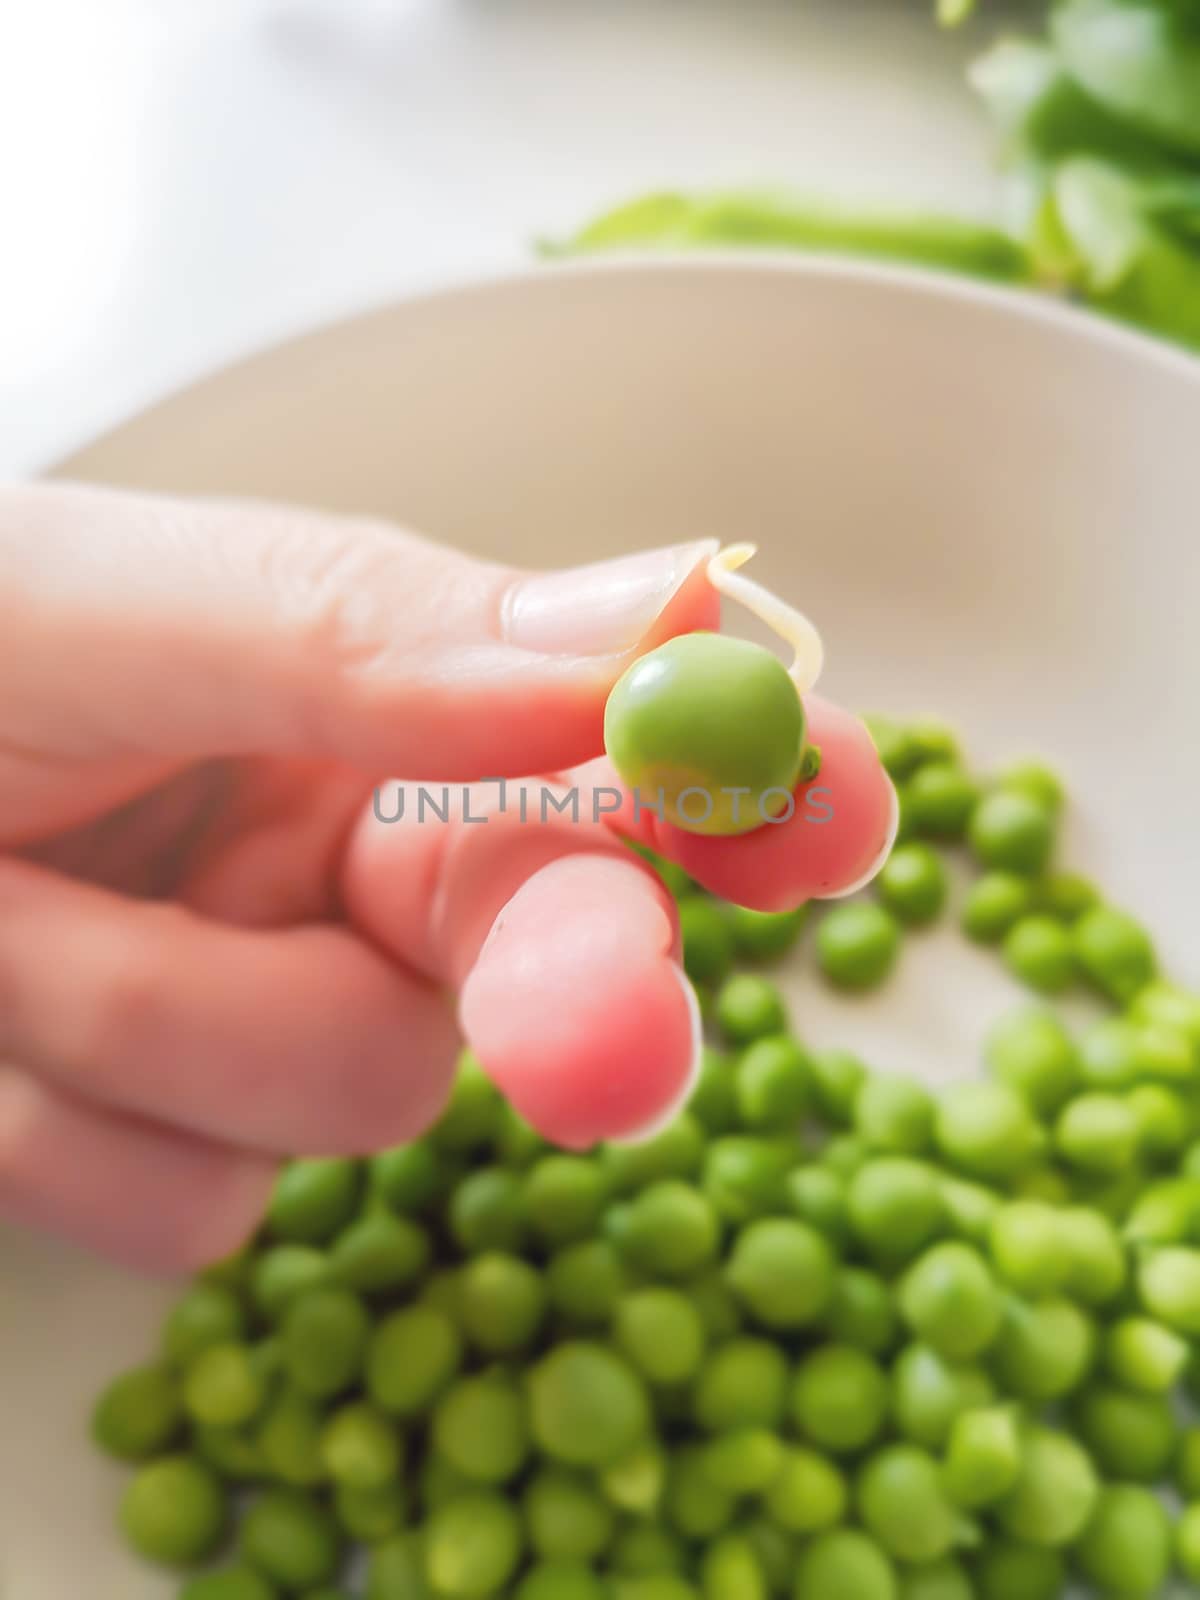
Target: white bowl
[{"x": 987, "y": 502}]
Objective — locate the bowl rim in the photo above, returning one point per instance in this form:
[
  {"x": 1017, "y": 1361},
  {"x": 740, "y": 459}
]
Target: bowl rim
[{"x": 1072, "y": 322}]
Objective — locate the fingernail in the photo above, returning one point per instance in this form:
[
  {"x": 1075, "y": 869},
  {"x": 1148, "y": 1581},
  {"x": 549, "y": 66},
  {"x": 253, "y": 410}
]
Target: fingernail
[{"x": 598, "y": 610}]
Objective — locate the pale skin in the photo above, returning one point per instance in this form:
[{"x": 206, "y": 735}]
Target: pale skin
[{"x": 212, "y": 951}]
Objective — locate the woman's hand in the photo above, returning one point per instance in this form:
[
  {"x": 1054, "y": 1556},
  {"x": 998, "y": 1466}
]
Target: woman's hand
[{"x": 218, "y": 941}]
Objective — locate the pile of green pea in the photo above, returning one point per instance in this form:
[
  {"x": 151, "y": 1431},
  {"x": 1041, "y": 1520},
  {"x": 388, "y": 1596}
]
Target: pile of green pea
[{"x": 824, "y": 1337}]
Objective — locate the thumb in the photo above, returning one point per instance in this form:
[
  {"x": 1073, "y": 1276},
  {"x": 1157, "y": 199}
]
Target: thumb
[{"x": 193, "y": 629}]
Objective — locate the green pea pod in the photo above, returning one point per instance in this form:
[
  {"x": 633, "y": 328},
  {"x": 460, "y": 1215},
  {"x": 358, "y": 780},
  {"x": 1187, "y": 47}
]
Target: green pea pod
[
  {"x": 1131, "y": 268},
  {"x": 667, "y": 221},
  {"x": 1141, "y": 59}
]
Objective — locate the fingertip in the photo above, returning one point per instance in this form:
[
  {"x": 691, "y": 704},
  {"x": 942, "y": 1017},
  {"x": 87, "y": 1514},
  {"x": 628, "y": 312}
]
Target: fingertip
[{"x": 577, "y": 1006}]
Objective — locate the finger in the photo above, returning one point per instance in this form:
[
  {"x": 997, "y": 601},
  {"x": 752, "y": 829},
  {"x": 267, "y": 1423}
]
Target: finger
[
  {"x": 564, "y": 947},
  {"x": 838, "y": 835},
  {"x": 288, "y": 632},
  {"x": 142, "y": 1194},
  {"x": 301, "y": 1040}
]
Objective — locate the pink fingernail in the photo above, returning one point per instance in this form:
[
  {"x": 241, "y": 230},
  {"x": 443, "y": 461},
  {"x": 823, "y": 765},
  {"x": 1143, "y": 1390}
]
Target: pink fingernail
[{"x": 602, "y": 609}]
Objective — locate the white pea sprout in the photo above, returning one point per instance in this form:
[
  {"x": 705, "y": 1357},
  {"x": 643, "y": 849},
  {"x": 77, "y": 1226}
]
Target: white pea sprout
[{"x": 791, "y": 625}]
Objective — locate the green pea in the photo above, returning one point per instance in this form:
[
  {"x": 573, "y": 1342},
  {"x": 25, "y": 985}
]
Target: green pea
[
  {"x": 844, "y": 1155},
  {"x": 929, "y": 1393},
  {"x": 782, "y": 1271},
  {"x": 563, "y": 1197},
  {"x": 894, "y": 1113},
  {"x": 1145, "y": 1355},
  {"x": 174, "y": 1511},
  {"x": 809, "y": 1493},
  {"x": 481, "y": 1428},
  {"x": 983, "y": 1456},
  {"x": 913, "y": 884},
  {"x": 396, "y": 1569},
  {"x": 1166, "y": 1213},
  {"x": 715, "y": 724},
  {"x": 1029, "y": 1246},
  {"x": 764, "y": 935},
  {"x": 587, "y": 1406},
  {"x": 1187, "y": 1464},
  {"x": 1045, "y": 1348},
  {"x": 1006, "y": 1569},
  {"x": 713, "y": 1102},
  {"x": 742, "y": 1384},
  {"x": 1131, "y": 1436},
  {"x": 936, "y": 1580},
  {"x": 1109, "y": 1054},
  {"x": 1097, "y": 1269},
  {"x": 412, "y": 1356},
  {"x": 708, "y": 939},
  {"x": 839, "y": 1398},
  {"x": 1012, "y": 830},
  {"x": 670, "y": 1228},
  {"x": 1114, "y": 952},
  {"x": 654, "y": 1586},
  {"x": 970, "y": 1209},
  {"x": 836, "y": 1076},
  {"x": 903, "y": 1505},
  {"x": 584, "y": 1281},
  {"x": 225, "y": 1385},
  {"x": 899, "y": 752},
  {"x": 676, "y": 1152},
  {"x": 857, "y": 944},
  {"x": 1032, "y": 1052},
  {"x": 406, "y": 1177},
  {"x": 379, "y": 1252},
  {"x": 472, "y": 1116},
  {"x": 695, "y": 1505},
  {"x": 719, "y": 1312},
  {"x": 1034, "y": 778},
  {"x": 1165, "y": 1005},
  {"x": 560, "y": 1580},
  {"x": 234, "y": 1455},
  {"x": 896, "y": 1207},
  {"x": 566, "y": 1517},
  {"x": 487, "y": 1211},
  {"x": 1055, "y": 1493},
  {"x": 502, "y": 1303},
  {"x": 950, "y": 1300},
  {"x": 139, "y": 1413},
  {"x": 473, "y": 1546},
  {"x": 1187, "y": 1543},
  {"x": 744, "y": 1461},
  {"x": 1038, "y": 951},
  {"x": 313, "y": 1199},
  {"x": 862, "y": 1312},
  {"x": 939, "y": 799},
  {"x": 440, "y": 1482},
  {"x": 324, "y": 1341},
  {"x": 361, "y": 1447},
  {"x": 206, "y": 1314},
  {"x": 744, "y": 1176},
  {"x": 772, "y": 1084},
  {"x": 230, "y": 1583},
  {"x": 1066, "y": 895},
  {"x": 1163, "y": 1118},
  {"x": 995, "y": 902},
  {"x": 730, "y": 1570},
  {"x": 288, "y": 1437},
  {"x": 986, "y": 1130},
  {"x": 1126, "y": 1547},
  {"x": 282, "y": 1274},
  {"x": 635, "y": 1481},
  {"x": 1098, "y": 1133},
  {"x": 818, "y": 1197},
  {"x": 844, "y": 1564},
  {"x": 659, "y": 1330},
  {"x": 371, "y": 1514},
  {"x": 749, "y": 1007}
]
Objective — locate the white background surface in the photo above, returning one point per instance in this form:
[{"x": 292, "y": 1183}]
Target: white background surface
[{"x": 182, "y": 181}]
